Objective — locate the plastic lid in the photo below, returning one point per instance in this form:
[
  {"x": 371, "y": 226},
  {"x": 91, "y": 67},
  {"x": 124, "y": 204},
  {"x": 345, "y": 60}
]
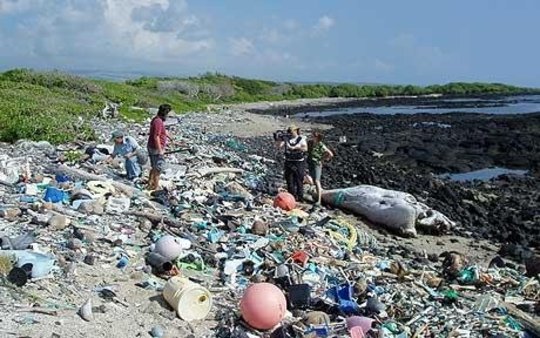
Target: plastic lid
[{"x": 194, "y": 304}]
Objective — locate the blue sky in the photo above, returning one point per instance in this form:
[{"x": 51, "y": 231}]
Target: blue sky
[{"x": 416, "y": 41}]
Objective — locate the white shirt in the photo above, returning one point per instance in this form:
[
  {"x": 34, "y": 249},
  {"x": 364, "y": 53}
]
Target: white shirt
[{"x": 294, "y": 155}]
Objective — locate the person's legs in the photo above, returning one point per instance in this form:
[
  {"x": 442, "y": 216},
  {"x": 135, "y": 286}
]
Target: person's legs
[
  {"x": 289, "y": 177},
  {"x": 152, "y": 183},
  {"x": 153, "y": 180},
  {"x": 132, "y": 168},
  {"x": 159, "y": 168},
  {"x": 317, "y": 170},
  {"x": 299, "y": 180}
]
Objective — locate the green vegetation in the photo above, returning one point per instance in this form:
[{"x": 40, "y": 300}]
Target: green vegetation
[{"x": 56, "y": 107}]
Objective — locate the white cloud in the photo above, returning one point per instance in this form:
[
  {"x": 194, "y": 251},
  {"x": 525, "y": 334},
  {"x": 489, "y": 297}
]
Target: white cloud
[
  {"x": 323, "y": 24},
  {"x": 156, "y": 34},
  {"x": 383, "y": 66},
  {"x": 272, "y": 36},
  {"x": 403, "y": 41},
  {"x": 273, "y": 56},
  {"x": 12, "y": 6},
  {"x": 241, "y": 46},
  {"x": 153, "y": 31},
  {"x": 290, "y": 24},
  {"x": 423, "y": 57}
]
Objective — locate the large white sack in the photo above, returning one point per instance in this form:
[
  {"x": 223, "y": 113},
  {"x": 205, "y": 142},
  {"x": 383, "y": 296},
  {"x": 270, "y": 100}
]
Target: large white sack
[{"x": 395, "y": 210}]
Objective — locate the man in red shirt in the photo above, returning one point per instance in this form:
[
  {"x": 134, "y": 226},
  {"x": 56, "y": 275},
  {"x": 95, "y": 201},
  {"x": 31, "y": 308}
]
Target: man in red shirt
[{"x": 157, "y": 141}]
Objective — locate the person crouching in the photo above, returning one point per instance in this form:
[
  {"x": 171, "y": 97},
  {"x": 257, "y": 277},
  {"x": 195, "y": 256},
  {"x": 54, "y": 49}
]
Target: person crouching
[{"x": 128, "y": 148}]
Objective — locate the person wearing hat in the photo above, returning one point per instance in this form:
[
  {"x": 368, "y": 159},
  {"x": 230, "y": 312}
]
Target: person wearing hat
[
  {"x": 128, "y": 148},
  {"x": 295, "y": 152}
]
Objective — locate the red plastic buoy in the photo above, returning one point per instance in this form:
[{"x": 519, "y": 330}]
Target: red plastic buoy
[
  {"x": 285, "y": 201},
  {"x": 263, "y": 305}
]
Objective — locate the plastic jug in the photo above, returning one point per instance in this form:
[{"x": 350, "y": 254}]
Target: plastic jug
[{"x": 190, "y": 300}]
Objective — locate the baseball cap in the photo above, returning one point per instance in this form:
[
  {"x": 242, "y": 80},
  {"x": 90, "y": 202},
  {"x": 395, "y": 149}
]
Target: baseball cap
[
  {"x": 117, "y": 133},
  {"x": 292, "y": 127}
]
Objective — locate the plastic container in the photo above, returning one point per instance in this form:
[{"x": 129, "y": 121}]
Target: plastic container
[
  {"x": 364, "y": 323},
  {"x": 190, "y": 300},
  {"x": 40, "y": 264},
  {"x": 29, "y": 199},
  {"x": 54, "y": 195}
]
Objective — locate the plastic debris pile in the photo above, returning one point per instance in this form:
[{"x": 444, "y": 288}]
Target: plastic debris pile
[{"x": 216, "y": 247}]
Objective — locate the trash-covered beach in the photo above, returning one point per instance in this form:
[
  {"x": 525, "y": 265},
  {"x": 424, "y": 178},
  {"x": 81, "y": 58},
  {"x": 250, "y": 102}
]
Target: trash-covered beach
[{"x": 86, "y": 253}]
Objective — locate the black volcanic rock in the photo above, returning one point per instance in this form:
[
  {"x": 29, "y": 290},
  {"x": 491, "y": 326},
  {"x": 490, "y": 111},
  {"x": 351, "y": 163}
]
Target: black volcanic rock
[{"x": 414, "y": 153}]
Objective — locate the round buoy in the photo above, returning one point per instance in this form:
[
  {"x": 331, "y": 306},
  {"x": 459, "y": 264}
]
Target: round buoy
[
  {"x": 285, "y": 201},
  {"x": 263, "y": 306},
  {"x": 169, "y": 247}
]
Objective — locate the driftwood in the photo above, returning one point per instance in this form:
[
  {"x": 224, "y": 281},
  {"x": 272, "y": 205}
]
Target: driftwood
[
  {"x": 7, "y": 184},
  {"x": 80, "y": 174},
  {"x": 211, "y": 171},
  {"x": 61, "y": 210},
  {"x": 528, "y": 322}
]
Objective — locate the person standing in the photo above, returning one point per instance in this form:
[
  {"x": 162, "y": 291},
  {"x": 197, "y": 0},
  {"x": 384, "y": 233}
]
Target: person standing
[
  {"x": 157, "y": 142},
  {"x": 295, "y": 153},
  {"x": 127, "y": 147},
  {"x": 318, "y": 153}
]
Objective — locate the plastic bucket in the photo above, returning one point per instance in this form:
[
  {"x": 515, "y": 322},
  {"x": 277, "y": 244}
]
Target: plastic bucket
[{"x": 190, "y": 300}]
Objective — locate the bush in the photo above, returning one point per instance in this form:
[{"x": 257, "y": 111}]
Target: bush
[
  {"x": 51, "y": 80},
  {"x": 55, "y": 106}
]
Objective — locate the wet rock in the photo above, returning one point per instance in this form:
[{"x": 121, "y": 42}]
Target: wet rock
[
  {"x": 145, "y": 225},
  {"x": 74, "y": 244},
  {"x": 41, "y": 219},
  {"x": 316, "y": 318},
  {"x": 90, "y": 259},
  {"x": 375, "y": 305},
  {"x": 259, "y": 228},
  {"x": 11, "y": 213},
  {"x": 58, "y": 222},
  {"x": 47, "y": 206},
  {"x": 433, "y": 258},
  {"x": 158, "y": 331},
  {"x": 92, "y": 207},
  {"x": 498, "y": 262},
  {"x": 532, "y": 266}
]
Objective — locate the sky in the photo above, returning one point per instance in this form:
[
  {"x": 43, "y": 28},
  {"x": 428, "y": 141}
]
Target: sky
[{"x": 385, "y": 41}]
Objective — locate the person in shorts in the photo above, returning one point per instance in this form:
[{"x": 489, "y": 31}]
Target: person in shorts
[
  {"x": 318, "y": 152},
  {"x": 157, "y": 142}
]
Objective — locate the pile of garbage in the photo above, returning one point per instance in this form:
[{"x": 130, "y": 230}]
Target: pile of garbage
[{"x": 217, "y": 248}]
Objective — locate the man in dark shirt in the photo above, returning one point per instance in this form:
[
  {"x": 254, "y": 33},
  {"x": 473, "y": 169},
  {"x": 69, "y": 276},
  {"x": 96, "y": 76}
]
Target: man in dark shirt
[{"x": 157, "y": 141}]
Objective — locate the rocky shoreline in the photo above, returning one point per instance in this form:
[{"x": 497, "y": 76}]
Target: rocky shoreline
[
  {"x": 435, "y": 101},
  {"x": 407, "y": 152}
]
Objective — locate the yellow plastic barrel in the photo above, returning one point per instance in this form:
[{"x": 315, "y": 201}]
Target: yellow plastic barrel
[{"x": 190, "y": 300}]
